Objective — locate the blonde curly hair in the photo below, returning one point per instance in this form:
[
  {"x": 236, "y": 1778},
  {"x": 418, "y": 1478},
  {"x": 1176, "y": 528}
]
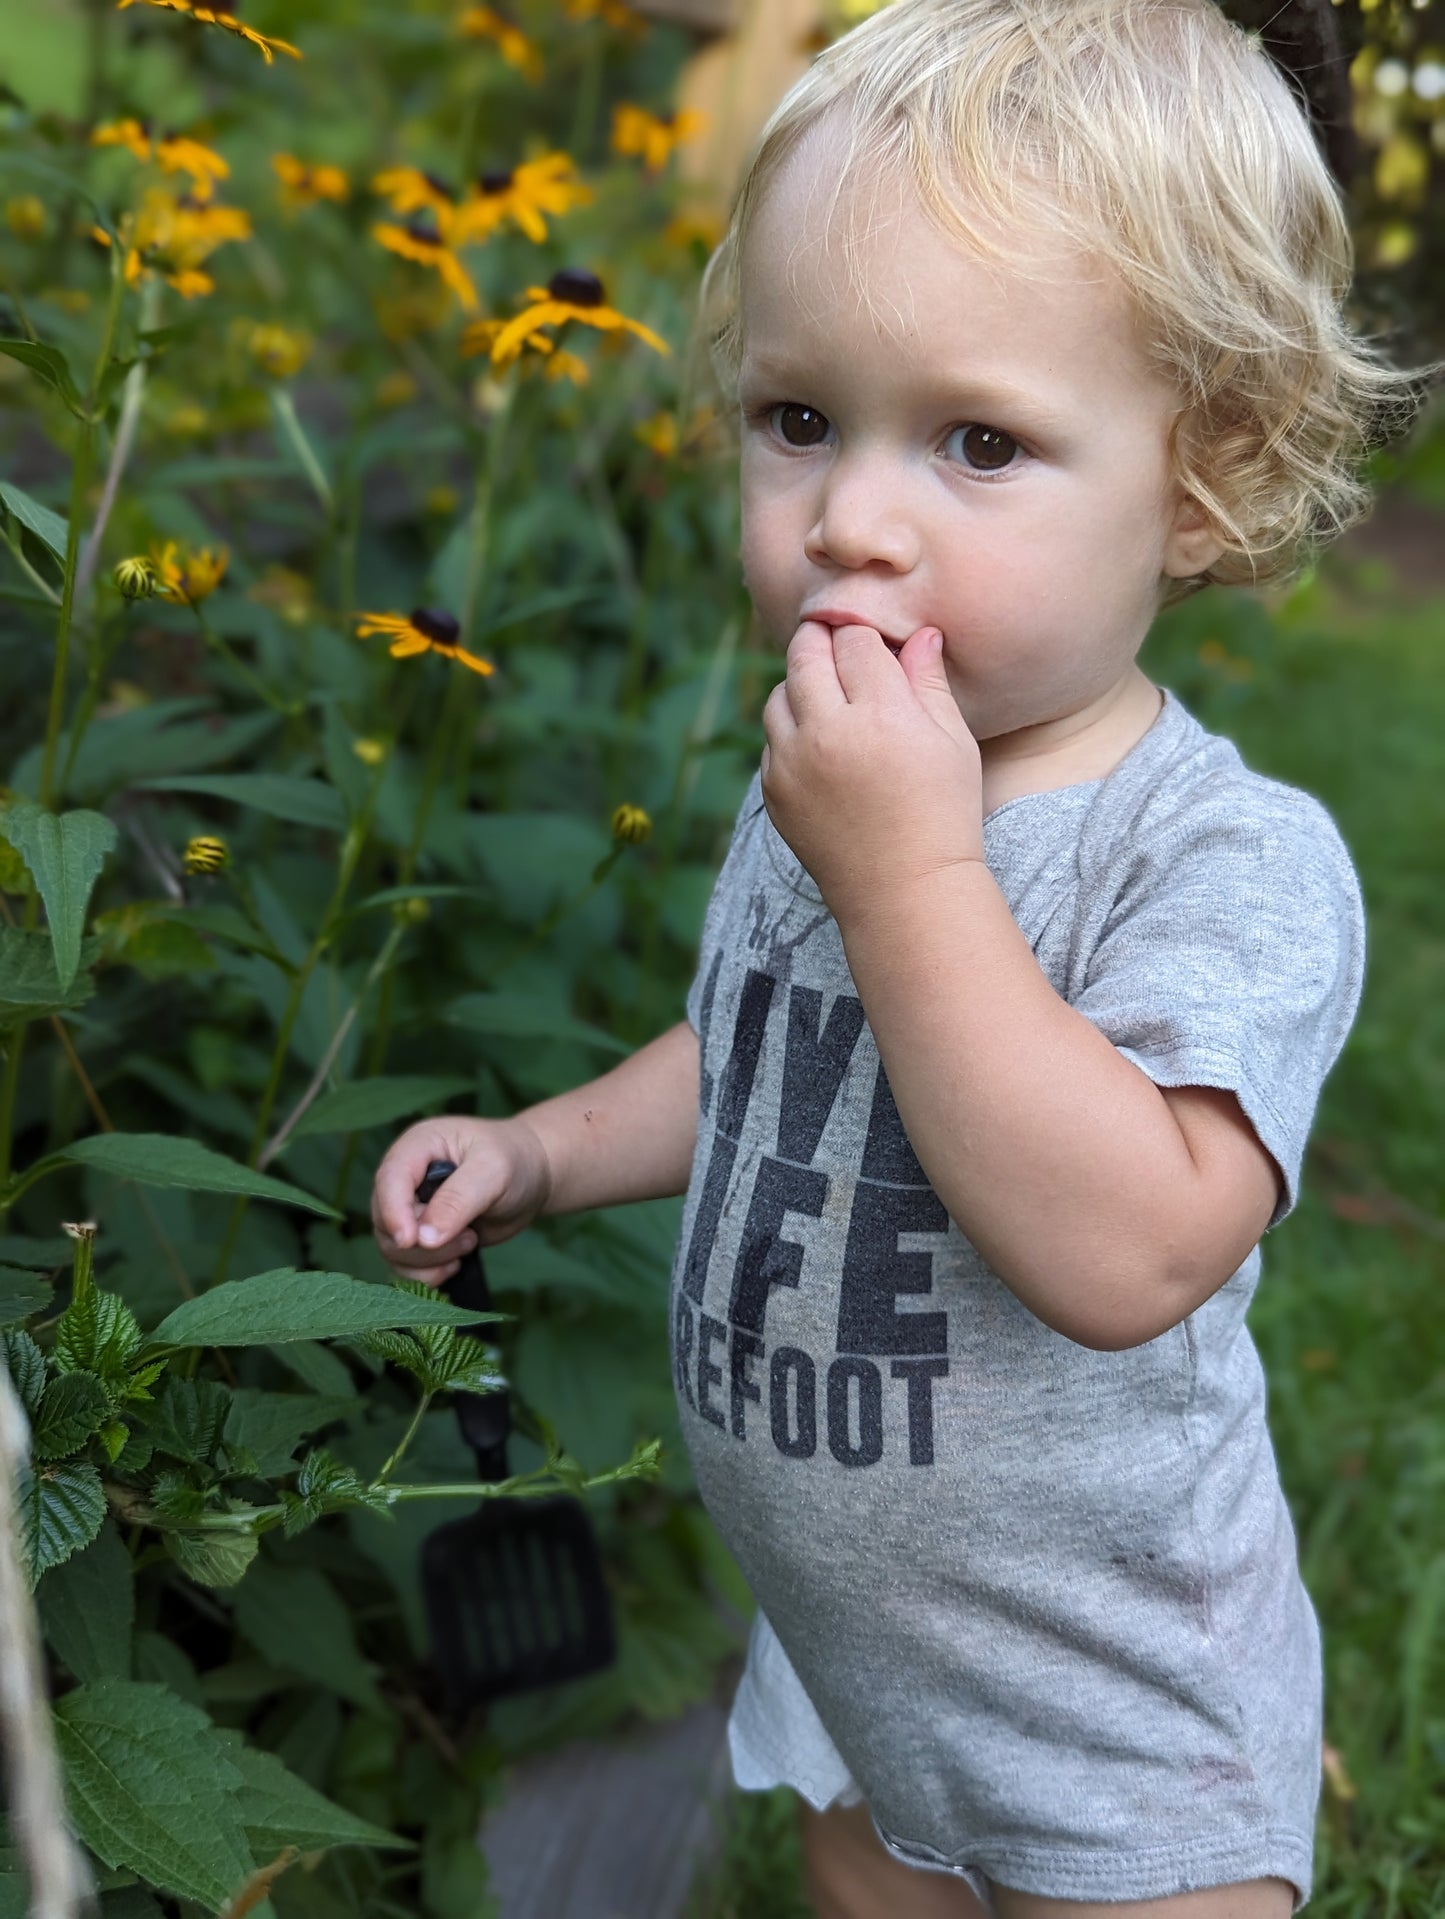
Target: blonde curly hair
[{"x": 1157, "y": 137}]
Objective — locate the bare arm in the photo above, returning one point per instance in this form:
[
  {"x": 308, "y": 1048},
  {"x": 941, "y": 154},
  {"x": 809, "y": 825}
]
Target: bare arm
[
  {"x": 627, "y": 1136},
  {"x": 1059, "y": 1159}
]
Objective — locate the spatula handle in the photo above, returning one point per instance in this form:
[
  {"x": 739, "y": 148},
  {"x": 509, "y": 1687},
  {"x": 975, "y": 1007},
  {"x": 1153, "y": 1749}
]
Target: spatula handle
[{"x": 484, "y": 1418}]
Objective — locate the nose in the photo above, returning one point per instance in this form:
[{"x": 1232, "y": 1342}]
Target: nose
[{"x": 863, "y": 517}]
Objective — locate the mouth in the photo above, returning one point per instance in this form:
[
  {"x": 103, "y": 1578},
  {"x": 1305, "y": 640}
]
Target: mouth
[{"x": 836, "y": 617}]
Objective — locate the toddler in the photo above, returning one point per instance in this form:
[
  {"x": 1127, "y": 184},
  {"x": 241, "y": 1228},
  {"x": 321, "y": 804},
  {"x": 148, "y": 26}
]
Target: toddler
[{"x": 1018, "y": 987}]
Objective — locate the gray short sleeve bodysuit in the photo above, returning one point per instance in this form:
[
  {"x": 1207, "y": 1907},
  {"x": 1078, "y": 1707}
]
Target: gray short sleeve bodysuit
[{"x": 1040, "y": 1606}]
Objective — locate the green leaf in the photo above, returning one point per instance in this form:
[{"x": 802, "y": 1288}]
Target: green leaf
[
  {"x": 273, "y": 1425},
  {"x": 324, "y": 1485},
  {"x": 305, "y": 802},
  {"x": 52, "y": 367},
  {"x": 213, "y": 1558},
  {"x": 75, "y": 1405},
  {"x": 30, "y": 987},
  {"x": 21, "y": 1294},
  {"x": 65, "y": 854},
  {"x": 274, "y": 1308},
  {"x": 63, "y": 1508},
  {"x": 521, "y": 1016},
  {"x": 47, "y": 527},
  {"x": 87, "y": 1608},
  {"x": 294, "y": 1617},
  {"x": 159, "y": 1159},
  {"x": 26, "y": 1365},
  {"x": 97, "y": 1333},
  {"x": 317, "y": 1367},
  {"x": 278, "y": 1809},
  {"x": 134, "y": 1903},
  {"x": 376, "y": 1102},
  {"x": 187, "y": 1420},
  {"x": 150, "y": 1785}
]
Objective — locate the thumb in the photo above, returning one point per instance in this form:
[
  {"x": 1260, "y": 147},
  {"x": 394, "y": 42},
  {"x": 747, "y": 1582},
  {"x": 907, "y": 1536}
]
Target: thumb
[
  {"x": 922, "y": 660},
  {"x": 453, "y": 1206}
]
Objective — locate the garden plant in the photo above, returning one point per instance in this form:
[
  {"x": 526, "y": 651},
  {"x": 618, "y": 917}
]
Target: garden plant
[{"x": 378, "y": 693}]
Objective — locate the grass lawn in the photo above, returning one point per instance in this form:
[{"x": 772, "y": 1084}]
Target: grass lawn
[{"x": 1340, "y": 692}]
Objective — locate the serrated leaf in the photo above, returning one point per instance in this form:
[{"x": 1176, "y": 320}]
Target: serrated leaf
[
  {"x": 65, "y": 853},
  {"x": 272, "y": 1425},
  {"x": 97, "y": 1333},
  {"x": 278, "y": 1809},
  {"x": 150, "y": 1786},
  {"x": 187, "y": 1419},
  {"x": 213, "y": 1558},
  {"x": 304, "y": 802},
  {"x": 28, "y": 1372},
  {"x": 75, "y": 1405},
  {"x": 376, "y": 1102},
  {"x": 160, "y": 1159},
  {"x": 21, "y": 1295},
  {"x": 29, "y": 984},
  {"x": 274, "y": 1308},
  {"x": 63, "y": 1508},
  {"x": 87, "y": 1608},
  {"x": 47, "y": 526},
  {"x": 294, "y": 1617}
]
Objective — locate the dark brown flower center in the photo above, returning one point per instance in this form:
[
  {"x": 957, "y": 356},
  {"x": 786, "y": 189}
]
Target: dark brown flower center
[
  {"x": 495, "y": 182},
  {"x": 422, "y": 229},
  {"x": 436, "y": 624},
  {"x": 438, "y": 185},
  {"x": 577, "y": 287}
]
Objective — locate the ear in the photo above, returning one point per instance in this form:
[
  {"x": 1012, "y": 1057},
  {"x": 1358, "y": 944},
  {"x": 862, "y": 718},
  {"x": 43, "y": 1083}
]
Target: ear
[{"x": 1191, "y": 545}]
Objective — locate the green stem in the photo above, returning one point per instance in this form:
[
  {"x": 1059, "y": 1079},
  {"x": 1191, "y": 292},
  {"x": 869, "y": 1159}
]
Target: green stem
[
  {"x": 407, "y": 1437},
  {"x": 478, "y": 529},
  {"x": 291, "y": 708},
  {"x": 284, "y": 408},
  {"x": 12, "y": 540}
]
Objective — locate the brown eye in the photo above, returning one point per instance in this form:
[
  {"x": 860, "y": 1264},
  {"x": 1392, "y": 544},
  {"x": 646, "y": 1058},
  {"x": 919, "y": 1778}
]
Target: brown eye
[
  {"x": 988, "y": 449},
  {"x": 801, "y": 425}
]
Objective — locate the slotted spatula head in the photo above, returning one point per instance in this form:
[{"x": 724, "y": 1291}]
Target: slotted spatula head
[{"x": 514, "y": 1593}]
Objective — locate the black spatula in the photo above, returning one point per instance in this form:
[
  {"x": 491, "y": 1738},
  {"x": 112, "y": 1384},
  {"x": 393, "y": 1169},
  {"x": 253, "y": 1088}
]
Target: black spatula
[{"x": 514, "y": 1594}]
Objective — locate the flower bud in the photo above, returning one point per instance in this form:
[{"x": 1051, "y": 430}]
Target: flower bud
[
  {"x": 205, "y": 854},
  {"x": 631, "y": 826},
  {"x": 136, "y": 578}
]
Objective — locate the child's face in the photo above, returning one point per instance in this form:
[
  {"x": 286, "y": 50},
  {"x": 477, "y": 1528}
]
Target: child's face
[{"x": 988, "y": 455}]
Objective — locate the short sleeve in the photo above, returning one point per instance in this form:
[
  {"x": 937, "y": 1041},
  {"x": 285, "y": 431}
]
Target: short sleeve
[{"x": 1234, "y": 957}]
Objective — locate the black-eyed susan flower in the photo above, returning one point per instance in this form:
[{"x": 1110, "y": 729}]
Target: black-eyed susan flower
[
  {"x": 302, "y": 185},
  {"x": 653, "y": 135},
  {"x": 413, "y": 189},
  {"x": 173, "y": 237},
  {"x": 213, "y": 17},
  {"x": 422, "y": 240},
  {"x": 563, "y": 365},
  {"x": 571, "y": 294},
  {"x": 424, "y": 630},
  {"x": 134, "y": 135},
  {"x": 25, "y": 216},
  {"x": 631, "y": 825},
  {"x": 523, "y": 195},
  {"x": 191, "y": 574},
  {"x": 694, "y": 229},
  {"x": 480, "y": 336},
  {"x": 490, "y": 23},
  {"x": 205, "y": 853},
  {"x": 136, "y": 578}
]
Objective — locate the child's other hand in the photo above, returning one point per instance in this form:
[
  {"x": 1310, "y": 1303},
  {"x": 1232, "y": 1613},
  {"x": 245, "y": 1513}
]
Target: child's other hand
[
  {"x": 870, "y": 772},
  {"x": 501, "y": 1183}
]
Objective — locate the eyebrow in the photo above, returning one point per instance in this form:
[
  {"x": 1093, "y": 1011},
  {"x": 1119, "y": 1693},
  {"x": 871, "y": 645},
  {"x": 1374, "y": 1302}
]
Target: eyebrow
[{"x": 987, "y": 396}]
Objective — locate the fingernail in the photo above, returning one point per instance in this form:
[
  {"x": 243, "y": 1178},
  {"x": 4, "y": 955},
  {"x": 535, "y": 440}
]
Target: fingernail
[{"x": 429, "y": 1235}]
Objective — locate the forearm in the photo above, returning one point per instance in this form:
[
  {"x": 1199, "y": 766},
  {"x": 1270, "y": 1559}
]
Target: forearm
[
  {"x": 628, "y": 1135},
  {"x": 1058, "y": 1159}
]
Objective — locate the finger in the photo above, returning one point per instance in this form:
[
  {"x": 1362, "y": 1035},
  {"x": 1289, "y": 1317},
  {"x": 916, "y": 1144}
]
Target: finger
[
  {"x": 812, "y": 684},
  {"x": 865, "y": 665},
  {"x": 779, "y": 725}
]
